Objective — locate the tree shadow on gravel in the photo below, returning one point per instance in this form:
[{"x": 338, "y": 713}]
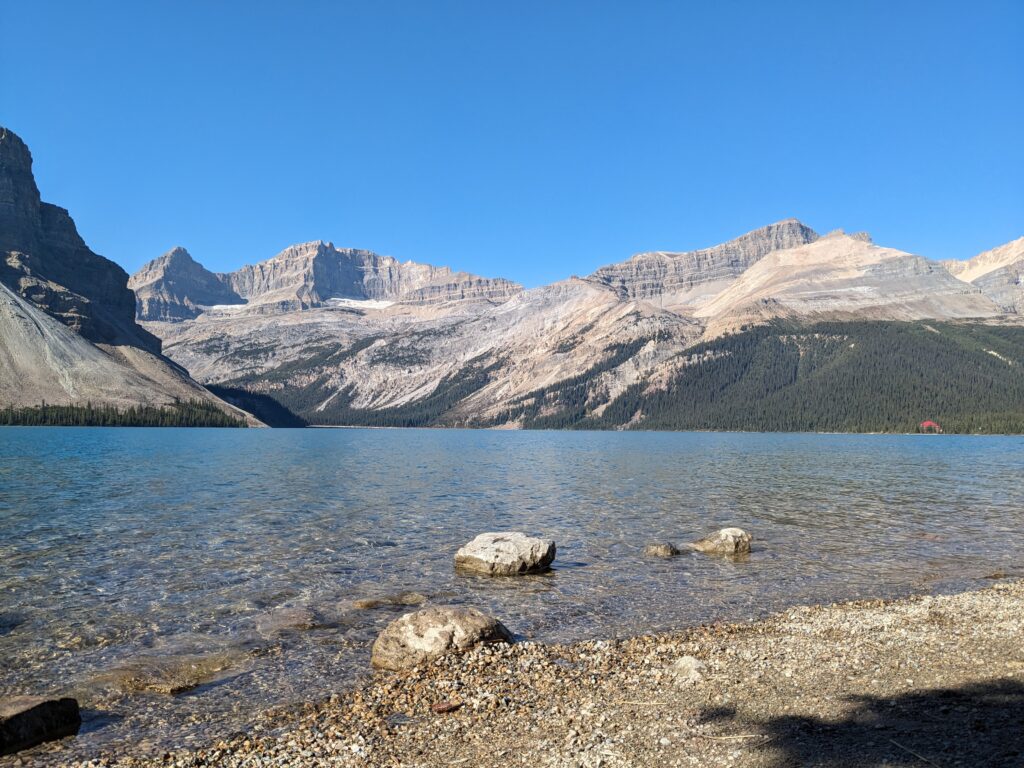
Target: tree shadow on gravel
[{"x": 976, "y": 725}]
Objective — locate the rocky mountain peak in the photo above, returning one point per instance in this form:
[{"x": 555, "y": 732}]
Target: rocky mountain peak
[
  {"x": 20, "y": 215},
  {"x": 44, "y": 260},
  {"x": 689, "y": 277},
  {"x": 304, "y": 276}
]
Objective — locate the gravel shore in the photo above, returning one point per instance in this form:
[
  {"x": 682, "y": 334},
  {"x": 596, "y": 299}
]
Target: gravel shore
[{"x": 924, "y": 681}]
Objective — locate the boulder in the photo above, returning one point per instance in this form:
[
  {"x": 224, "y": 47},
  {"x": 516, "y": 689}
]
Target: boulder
[
  {"x": 661, "y": 549},
  {"x": 29, "y": 720},
  {"x": 728, "y": 541},
  {"x": 433, "y": 632},
  {"x": 505, "y": 554}
]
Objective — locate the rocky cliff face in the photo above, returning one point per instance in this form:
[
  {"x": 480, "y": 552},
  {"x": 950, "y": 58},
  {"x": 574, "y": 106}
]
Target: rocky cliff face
[
  {"x": 681, "y": 279},
  {"x": 44, "y": 260},
  {"x": 175, "y": 287},
  {"x": 302, "y": 277},
  {"x": 68, "y": 333}
]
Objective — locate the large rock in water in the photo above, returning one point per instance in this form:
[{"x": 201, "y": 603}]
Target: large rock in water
[
  {"x": 727, "y": 541},
  {"x": 29, "y": 720},
  {"x": 433, "y": 632},
  {"x": 505, "y": 554}
]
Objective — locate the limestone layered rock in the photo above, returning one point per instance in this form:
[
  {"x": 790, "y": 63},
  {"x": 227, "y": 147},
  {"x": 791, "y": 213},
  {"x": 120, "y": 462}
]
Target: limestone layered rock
[
  {"x": 433, "y": 632},
  {"x": 45, "y": 261},
  {"x": 301, "y": 277},
  {"x": 686, "y": 278},
  {"x": 505, "y": 554},
  {"x": 843, "y": 277},
  {"x": 26, "y": 721},
  {"x": 175, "y": 287},
  {"x": 727, "y": 541}
]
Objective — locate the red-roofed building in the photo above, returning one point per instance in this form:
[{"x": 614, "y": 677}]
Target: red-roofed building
[{"x": 929, "y": 426}]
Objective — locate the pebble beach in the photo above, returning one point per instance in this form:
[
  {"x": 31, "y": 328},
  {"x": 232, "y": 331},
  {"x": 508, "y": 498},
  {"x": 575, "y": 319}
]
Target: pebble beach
[{"x": 926, "y": 680}]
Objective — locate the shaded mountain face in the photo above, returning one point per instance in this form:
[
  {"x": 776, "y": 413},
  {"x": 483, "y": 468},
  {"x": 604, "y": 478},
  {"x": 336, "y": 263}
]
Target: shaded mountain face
[
  {"x": 301, "y": 277},
  {"x": 175, "y": 287},
  {"x": 68, "y": 334},
  {"x": 44, "y": 260}
]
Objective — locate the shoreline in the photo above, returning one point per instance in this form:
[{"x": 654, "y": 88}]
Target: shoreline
[{"x": 920, "y": 680}]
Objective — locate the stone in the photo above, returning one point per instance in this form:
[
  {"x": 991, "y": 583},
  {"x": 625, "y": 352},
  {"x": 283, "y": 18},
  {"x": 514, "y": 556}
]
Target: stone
[
  {"x": 170, "y": 674},
  {"x": 505, "y": 554},
  {"x": 444, "y": 707},
  {"x": 727, "y": 541},
  {"x": 403, "y": 598},
  {"x": 433, "y": 632},
  {"x": 661, "y": 549},
  {"x": 285, "y": 619},
  {"x": 29, "y": 720},
  {"x": 687, "y": 670}
]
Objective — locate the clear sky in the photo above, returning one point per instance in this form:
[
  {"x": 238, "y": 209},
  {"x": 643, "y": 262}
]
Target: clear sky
[{"x": 531, "y": 140}]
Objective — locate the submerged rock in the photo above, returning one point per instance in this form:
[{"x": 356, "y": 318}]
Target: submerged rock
[
  {"x": 285, "y": 619},
  {"x": 505, "y": 554},
  {"x": 728, "y": 541},
  {"x": 169, "y": 674},
  {"x": 434, "y": 632},
  {"x": 661, "y": 549},
  {"x": 403, "y": 598},
  {"x": 29, "y": 720}
]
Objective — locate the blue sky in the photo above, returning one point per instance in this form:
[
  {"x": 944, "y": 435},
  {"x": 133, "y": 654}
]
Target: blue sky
[{"x": 528, "y": 140}]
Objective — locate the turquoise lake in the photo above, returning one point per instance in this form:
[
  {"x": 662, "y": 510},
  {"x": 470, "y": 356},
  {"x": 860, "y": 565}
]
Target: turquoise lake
[{"x": 127, "y": 555}]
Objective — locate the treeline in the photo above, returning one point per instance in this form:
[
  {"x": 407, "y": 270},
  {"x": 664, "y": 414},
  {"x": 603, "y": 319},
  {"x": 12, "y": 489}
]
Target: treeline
[
  {"x": 842, "y": 377},
  {"x": 193, "y": 413},
  {"x": 829, "y": 377}
]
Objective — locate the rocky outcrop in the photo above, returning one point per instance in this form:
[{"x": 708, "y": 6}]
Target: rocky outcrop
[
  {"x": 727, "y": 541},
  {"x": 175, "y": 287},
  {"x": 26, "y": 721},
  {"x": 301, "y": 277},
  {"x": 45, "y": 261},
  {"x": 505, "y": 554},
  {"x": 433, "y": 632},
  {"x": 686, "y": 278}
]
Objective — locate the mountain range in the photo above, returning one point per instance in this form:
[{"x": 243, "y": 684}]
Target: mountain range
[
  {"x": 780, "y": 328},
  {"x": 350, "y": 337}
]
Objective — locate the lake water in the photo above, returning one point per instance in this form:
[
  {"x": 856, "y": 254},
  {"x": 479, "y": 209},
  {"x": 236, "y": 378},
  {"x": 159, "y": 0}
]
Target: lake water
[{"x": 129, "y": 555}]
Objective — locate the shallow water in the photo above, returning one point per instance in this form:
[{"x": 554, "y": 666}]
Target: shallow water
[{"x": 130, "y": 557}]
